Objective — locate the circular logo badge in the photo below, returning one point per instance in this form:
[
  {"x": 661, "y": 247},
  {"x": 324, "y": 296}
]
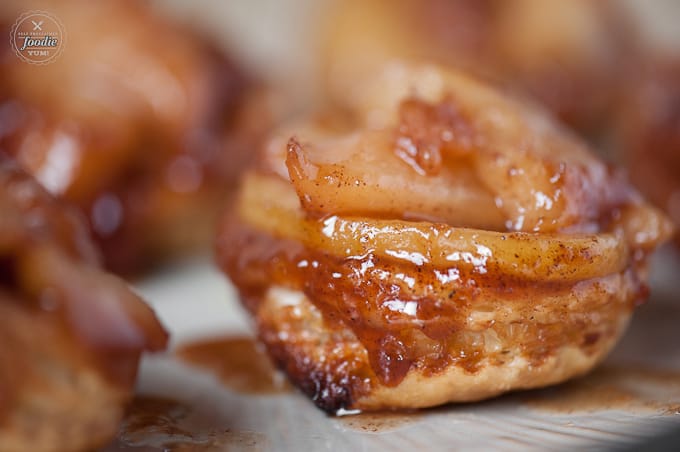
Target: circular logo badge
[{"x": 38, "y": 37}]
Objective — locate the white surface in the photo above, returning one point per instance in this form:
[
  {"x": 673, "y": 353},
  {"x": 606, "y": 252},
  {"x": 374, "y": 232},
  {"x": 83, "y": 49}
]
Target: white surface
[{"x": 195, "y": 300}]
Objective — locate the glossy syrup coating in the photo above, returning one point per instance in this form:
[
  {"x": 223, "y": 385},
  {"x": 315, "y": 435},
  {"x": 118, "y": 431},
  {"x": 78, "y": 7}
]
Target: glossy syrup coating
[
  {"x": 143, "y": 124},
  {"x": 367, "y": 306},
  {"x": 71, "y": 334}
]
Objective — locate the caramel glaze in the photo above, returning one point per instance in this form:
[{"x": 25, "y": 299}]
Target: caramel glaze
[
  {"x": 165, "y": 424},
  {"x": 421, "y": 136},
  {"x": 379, "y": 422},
  {"x": 361, "y": 293},
  {"x": 51, "y": 284},
  {"x": 237, "y": 362},
  {"x": 612, "y": 388},
  {"x": 157, "y": 418}
]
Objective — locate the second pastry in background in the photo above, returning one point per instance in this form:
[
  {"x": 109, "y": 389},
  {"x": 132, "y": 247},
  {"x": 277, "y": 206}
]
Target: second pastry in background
[
  {"x": 561, "y": 52},
  {"x": 648, "y": 132},
  {"x": 141, "y": 123},
  {"x": 71, "y": 335}
]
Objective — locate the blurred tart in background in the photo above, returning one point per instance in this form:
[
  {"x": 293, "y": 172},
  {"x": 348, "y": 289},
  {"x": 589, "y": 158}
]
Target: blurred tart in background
[{"x": 141, "y": 123}]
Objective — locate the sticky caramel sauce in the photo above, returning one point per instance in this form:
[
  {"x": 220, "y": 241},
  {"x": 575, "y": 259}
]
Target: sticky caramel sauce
[
  {"x": 380, "y": 422},
  {"x": 238, "y": 363},
  {"x": 638, "y": 390},
  {"x": 426, "y": 132},
  {"x": 156, "y": 423},
  {"x": 402, "y": 324}
]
